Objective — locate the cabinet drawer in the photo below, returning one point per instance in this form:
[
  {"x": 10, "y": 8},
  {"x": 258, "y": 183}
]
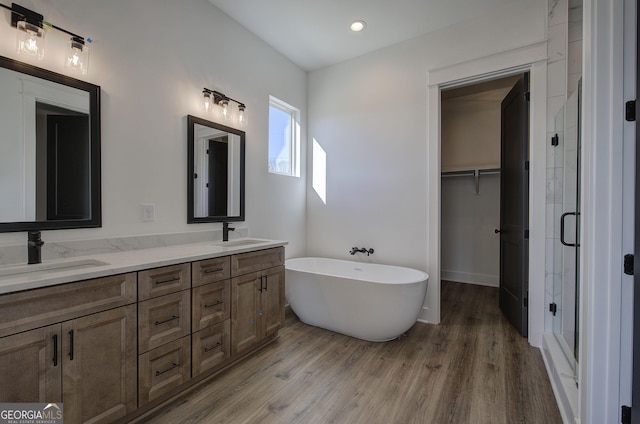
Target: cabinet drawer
[
  {"x": 246, "y": 263},
  {"x": 163, "y": 319},
  {"x": 211, "y": 270},
  {"x": 160, "y": 281},
  {"x": 210, "y": 304},
  {"x": 163, "y": 369},
  {"x": 31, "y": 309},
  {"x": 211, "y": 347}
]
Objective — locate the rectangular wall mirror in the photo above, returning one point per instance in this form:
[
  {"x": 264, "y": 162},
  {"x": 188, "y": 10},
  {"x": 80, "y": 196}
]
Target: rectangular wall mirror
[
  {"x": 49, "y": 150},
  {"x": 215, "y": 172}
]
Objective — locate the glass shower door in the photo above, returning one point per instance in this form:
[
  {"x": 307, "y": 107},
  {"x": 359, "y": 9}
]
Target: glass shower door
[{"x": 567, "y": 244}]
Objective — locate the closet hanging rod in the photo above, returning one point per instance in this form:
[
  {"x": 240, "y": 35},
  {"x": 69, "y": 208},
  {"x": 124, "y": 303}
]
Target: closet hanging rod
[{"x": 470, "y": 172}]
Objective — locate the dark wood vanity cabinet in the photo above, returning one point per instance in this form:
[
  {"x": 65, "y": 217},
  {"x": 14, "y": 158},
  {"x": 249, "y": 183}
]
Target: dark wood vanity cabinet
[
  {"x": 112, "y": 348},
  {"x": 82, "y": 351}
]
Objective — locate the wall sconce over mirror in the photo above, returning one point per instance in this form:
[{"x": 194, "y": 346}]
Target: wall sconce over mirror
[
  {"x": 31, "y": 28},
  {"x": 224, "y": 108},
  {"x": 215, "y": 179}
]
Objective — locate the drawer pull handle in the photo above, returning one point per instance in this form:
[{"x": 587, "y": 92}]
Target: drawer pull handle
[
  {"x": 170, "y": 280},
  {"x": 168, "y": 369},
  {"x": 219, "y": 302},
  {"x": 173, "y": 317},
  {"x": 208, "y": 349},
  {"x": 55, "y": 350},
  {"x": 211, "y": 271}
]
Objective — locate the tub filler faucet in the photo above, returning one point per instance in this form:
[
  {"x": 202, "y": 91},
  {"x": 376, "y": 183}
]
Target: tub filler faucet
[{"x": 355, "y": 250}]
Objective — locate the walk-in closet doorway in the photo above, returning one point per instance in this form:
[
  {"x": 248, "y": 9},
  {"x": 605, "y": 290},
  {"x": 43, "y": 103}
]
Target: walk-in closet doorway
[{"x": 484, "y": 188}]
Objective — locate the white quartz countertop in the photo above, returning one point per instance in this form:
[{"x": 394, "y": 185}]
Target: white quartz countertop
[{"x": 20, "y": 277}]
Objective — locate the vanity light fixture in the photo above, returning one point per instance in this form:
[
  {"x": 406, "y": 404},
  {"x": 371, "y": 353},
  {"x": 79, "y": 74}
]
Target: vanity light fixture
[
  {"x": 31, "y": 28},
  {"x": 223, "y": 106}
]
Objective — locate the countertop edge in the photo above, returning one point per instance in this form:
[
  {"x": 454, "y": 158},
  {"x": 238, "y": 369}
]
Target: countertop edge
[{"x": 130, "y": 261}]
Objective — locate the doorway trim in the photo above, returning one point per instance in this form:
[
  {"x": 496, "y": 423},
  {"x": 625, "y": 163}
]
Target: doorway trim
[{"x": 531, "y": 58}]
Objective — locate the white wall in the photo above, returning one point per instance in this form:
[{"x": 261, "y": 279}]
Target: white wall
[
  {"x": 470, "y": 249},
  {"x": 370, "y": 116},
  {"x": 152, "y": 60}
]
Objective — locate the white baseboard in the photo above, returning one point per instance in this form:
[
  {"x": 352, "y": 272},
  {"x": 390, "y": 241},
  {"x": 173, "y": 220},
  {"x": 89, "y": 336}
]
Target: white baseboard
[{"x": 467, "y": 277}]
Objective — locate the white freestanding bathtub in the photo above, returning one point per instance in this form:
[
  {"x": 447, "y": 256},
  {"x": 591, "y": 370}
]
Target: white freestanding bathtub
[{"x": 368, "y": 301}]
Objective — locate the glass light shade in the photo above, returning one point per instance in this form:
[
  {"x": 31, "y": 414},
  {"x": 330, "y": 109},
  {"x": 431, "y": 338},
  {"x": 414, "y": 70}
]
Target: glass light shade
[
  {"x": 226, "y": 110},
  {"x": 77, "y": 56},
  {"x": 30, "y": 40},
  {"x": 207, "y": 101},
  {"x": 242, "y": 115}
]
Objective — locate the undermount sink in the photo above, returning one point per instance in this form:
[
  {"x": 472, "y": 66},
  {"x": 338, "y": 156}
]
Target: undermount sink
[
  {"x": 48, "y": 267},
  {"x": 239, "y": 242}
]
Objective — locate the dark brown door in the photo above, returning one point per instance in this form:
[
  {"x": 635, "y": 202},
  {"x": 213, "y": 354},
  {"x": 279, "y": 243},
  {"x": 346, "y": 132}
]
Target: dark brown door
[
  {"x": 218, "y": 176},
  {"x": 68, "y": 169},
  {"x": 514, "y": 205}
]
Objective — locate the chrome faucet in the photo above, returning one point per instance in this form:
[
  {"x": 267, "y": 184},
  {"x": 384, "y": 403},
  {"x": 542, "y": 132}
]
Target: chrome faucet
[
  {"x": 225, "y": 231},
  {"x": 34, "y": 247},
  {"x": 355, "y": 250}
]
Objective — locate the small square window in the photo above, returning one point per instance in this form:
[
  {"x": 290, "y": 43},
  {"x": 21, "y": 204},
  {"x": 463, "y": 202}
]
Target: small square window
[{"x": 284, "y": 138}]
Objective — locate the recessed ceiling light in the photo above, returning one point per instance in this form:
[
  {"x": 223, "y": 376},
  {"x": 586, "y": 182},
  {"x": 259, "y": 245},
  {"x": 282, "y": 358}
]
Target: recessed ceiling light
[{"x": 357, "y": 26}]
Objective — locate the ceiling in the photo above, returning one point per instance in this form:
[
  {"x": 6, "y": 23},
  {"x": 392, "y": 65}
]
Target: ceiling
[{"x": 314, "y": 34}]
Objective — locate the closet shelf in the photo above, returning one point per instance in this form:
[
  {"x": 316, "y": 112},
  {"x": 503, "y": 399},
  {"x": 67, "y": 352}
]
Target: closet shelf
[{"x": 475, "y": 173}]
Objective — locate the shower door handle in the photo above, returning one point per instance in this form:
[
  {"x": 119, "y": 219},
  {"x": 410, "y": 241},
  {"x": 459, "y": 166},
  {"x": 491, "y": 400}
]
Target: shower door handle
[{"x": 562, "y": 218}]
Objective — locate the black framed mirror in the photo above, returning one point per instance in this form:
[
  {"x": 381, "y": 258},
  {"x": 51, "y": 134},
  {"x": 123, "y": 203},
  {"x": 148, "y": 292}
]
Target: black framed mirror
[
  {"x": 49, "y": 150},
  {"x": 215, "y": 172}
]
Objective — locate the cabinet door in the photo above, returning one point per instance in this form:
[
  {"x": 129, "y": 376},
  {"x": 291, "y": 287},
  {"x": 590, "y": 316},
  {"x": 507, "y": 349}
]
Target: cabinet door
[
  {"x": 99, "y": 366},
  {"x": 245, "y": 313},
  {"x": 30, "y": 366},
  {"x": 272, "y": 301}
]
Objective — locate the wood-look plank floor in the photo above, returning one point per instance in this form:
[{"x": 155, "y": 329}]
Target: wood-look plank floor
[{"x": 472, "y": 368}]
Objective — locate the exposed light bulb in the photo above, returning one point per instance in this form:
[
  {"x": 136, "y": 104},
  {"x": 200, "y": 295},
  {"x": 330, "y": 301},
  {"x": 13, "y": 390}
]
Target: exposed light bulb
[
  {"x": 225, "y": 108},
  {"x": 242, "y": 115},
  {"x": 30, "y": 39},
  {"x": 77, "y": 55},
  {"x": 207, "y": 100}
]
